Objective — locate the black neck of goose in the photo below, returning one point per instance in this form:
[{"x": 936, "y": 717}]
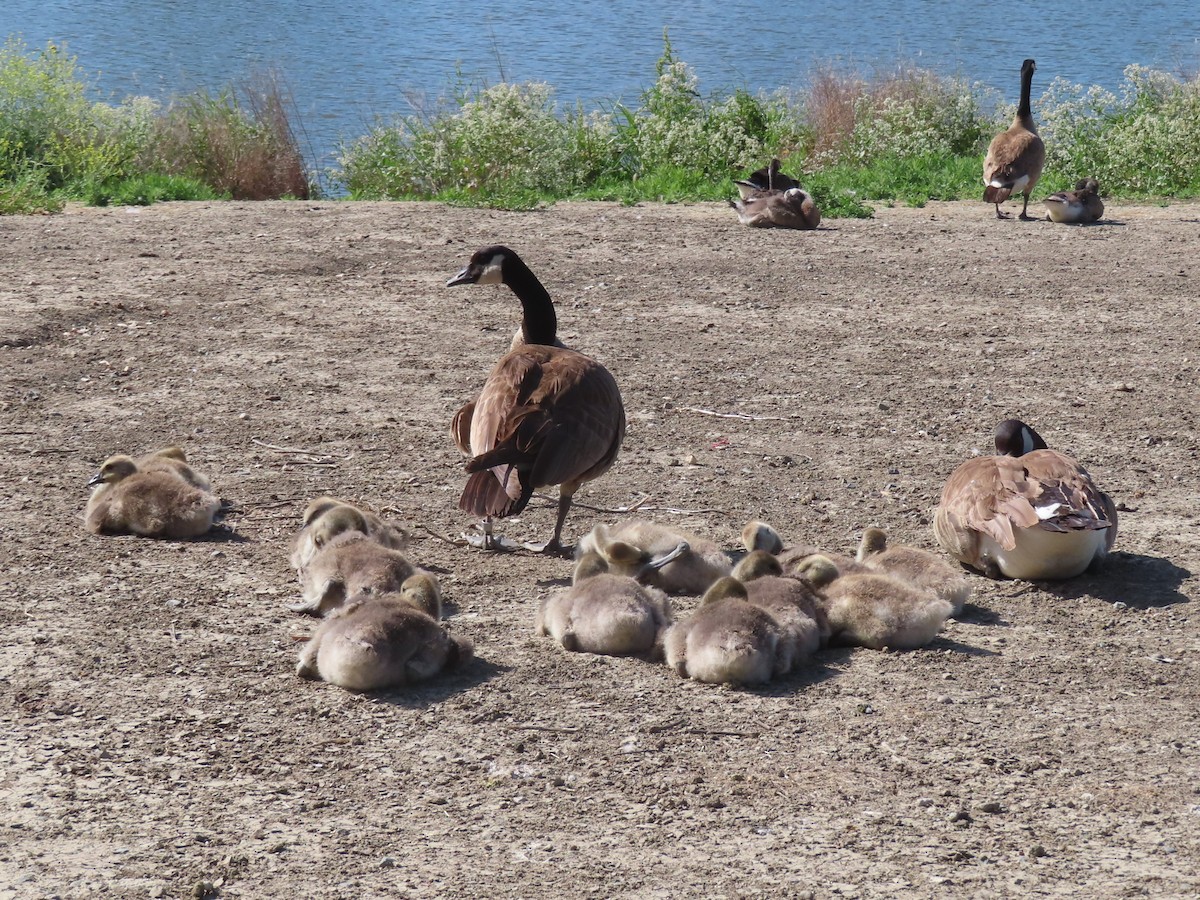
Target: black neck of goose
[
  {"x": 1024, "y": 110},
  {"x": 539, "y": 324}
]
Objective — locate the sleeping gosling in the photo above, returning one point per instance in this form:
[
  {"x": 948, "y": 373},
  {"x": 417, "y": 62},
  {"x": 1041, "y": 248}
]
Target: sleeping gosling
[
  {"x": 350, "y": 563},
  {"x": 697, "y": 562},
  {"x": 380, "y": 641},
  {"x": 919, "y": 568},
  {"x": 309, "y": 539},
  {"x": 173, "y": 459},
  {"x": 878, "y": 611},
  {"x": 604, "y": 613},
  {"x": 727, "y": 640},
  {"x": 125, "y": 500},
  {"x": 792, "y": 602}
]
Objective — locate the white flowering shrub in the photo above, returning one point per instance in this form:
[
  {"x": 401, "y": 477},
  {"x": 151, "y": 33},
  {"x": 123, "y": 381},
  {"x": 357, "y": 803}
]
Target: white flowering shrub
[{"x": 1144, "y": 142}]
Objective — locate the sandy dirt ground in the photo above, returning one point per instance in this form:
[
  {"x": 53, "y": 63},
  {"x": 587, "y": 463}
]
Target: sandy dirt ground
[{"x": 155, "y": 741}]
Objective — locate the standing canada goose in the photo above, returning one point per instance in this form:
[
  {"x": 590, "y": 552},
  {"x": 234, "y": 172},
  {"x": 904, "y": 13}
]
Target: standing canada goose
[
  {"x": 727, "y": 640},
  {"x": 326, "y": 517},
  {"x": 173, "y": 459},
  {"x": 791, "y": 602},
  {"x": 126, "y": 500},
  {"x": 1081, "y": 206},
  {"x": 1015, "y": 157},
  {"x": 546, "y": 415},
  {"x": 919, "y": 568},
  {"x": 347, "y": 564},
  {"x": 877, "y": 610},
  {"x": 1028, "y": 512},
  {"x": 604, "y": 613},
  {"x": 793, "y": 208},
  {"x": 693, "y": 565},
  {"x": 380, "y": 641}
]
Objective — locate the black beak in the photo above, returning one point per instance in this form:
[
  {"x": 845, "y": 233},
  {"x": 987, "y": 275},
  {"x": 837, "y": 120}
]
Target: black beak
[
  {"x": 96, "y": 479},
  {"x": 463, "y": 277}
]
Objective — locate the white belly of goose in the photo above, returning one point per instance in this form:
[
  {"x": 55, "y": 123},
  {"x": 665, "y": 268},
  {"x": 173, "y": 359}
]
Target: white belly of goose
[{"x": 1046, "y": 554}]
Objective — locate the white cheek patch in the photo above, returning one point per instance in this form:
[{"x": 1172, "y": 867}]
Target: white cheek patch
[{"x": 492, "y": 272}]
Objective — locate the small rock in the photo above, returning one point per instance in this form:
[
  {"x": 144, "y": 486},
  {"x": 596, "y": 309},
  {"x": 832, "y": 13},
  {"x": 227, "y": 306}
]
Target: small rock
[
  {"x": 387, "y": 862},
  {"x": 992, "y": 806},
  {"x": 924, "y": 802},
  {"x": 1037, "y": 851},
  {"x": 1124, "y": 387},
  {"x": 1119, "y": 605}
]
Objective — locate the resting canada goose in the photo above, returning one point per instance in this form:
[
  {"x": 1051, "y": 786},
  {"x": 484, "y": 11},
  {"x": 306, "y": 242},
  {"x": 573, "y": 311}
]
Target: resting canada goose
[
  {"x": 919, "y": 568},
  {"x": 173, "y": 459},
  {"x": 347, "y": 564},
  {"x": 379, "y": 641},
  {"x": 326, "y": 517},
  {"x": 546, "y": 415},
  {"x": 1081, "y": 206},
  {"x": 152, "y": 504},
  {"x": 791, "y": 602},
  {"x": 604, "y": 613},
  {"x": 1029, "y": 512},
  {"x": 727, "y": 640},
  {"x": 684, "y": 563},
  {"x": 765, "y": 180},
  {"x": 1015, "y": 157},
  {"x": 877, "y": 610},
  {"x": 793, "y": 208}
]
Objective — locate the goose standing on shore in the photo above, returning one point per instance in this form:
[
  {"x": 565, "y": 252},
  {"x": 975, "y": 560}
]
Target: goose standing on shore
[
  {"x": 546, "y": 415},
  {"x": 1015, "y": 157}
]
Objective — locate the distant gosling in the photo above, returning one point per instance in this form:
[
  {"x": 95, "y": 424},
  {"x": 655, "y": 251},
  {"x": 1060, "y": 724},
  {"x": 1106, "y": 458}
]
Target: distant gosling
[
  {"x": 125, "y": 500},
  {"x": 727, "y": 640},
  {"x": 698, "y": 562},
  {"x": 919, "y": 568},
  {"x": 604, "y": 613},
  {"x": 878, "y": 611},
  {"x": 380, "y": 641}
]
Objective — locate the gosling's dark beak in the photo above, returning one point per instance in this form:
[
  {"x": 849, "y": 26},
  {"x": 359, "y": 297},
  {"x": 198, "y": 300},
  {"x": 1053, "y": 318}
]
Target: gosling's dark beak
[
  {"x": 463, "y": 277},
  {"x": 96, "y": 479}
]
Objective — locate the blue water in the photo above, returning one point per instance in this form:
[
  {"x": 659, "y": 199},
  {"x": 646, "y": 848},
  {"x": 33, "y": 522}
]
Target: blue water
[{"x": 349, "y": 62}]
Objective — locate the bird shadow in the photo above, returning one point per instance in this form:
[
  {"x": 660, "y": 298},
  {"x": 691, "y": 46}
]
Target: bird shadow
[
  {"x": 945, "y": 643},
  {"x": 973, "y": 614},
  {"x": 221, "y": 534},
  {"x": 419, "y": 696},
  {"x": 1137, "y": 580},
  {"x": 797, "y": 681}
]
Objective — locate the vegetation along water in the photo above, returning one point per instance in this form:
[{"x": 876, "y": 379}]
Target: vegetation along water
[{"x": 461, "y": 114}]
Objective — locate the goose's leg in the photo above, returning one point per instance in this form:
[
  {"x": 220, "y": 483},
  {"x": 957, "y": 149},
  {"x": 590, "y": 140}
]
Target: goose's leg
[
  {"x": 1025, "y": 217},
  {"x": 487, "y": 540},
  {"x": 554, "y": 545}
]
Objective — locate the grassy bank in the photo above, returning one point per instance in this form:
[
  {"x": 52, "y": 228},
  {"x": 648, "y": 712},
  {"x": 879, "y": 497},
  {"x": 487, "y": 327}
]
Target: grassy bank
[{"x": 903, "y": 136}]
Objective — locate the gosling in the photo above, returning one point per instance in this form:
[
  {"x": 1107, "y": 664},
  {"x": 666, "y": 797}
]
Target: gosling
[
  {"x": 173, "y": 459},
  {"x": 696, "y": 564},
  {"x": 878, "y": 611},
  {"x": 727, "y": 640},
  {"x": 920, "y": 568},
  {"x": 308, "y": 540},
  {"x": 350, "y": 563},
  {"x": 161, "y": 504},
  {"x": 380, "y": 641},
  {"x": 605, "y": 613}
]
